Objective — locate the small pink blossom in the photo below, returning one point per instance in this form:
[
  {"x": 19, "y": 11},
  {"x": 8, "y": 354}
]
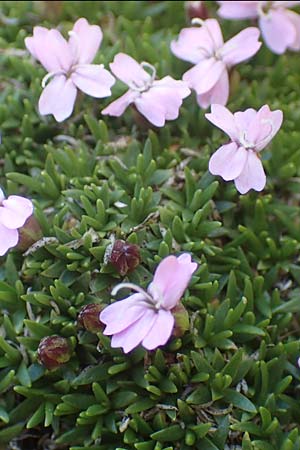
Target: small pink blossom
[
  {"x": 157, "y": 100},
  {"x": 279, "y": 26},
  {"x": 14, "y": 211},
  {"x": 250, "y": 132},
  {"x": 68, "y": 64},
  {"x": 204, "y": 47},
  {"x": 146, "y": 317}
]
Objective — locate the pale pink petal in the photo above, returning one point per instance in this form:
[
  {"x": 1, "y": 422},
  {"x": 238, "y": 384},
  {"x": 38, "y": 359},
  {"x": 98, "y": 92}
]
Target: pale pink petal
[
  {"x": 117, "y": 107},
  {"x": 2, "y": 196},
  {"x": 15, "y": 211},
  {"x": 129, "y": 71},
  {"x": 204, "y": 75},
  {"x": 295, "y": 20},
  {"x": 228, "y": 161},
  {"x": 224, "y": 119},
  {"x": 278, "y": 31},
  {"x": 169, "y": 93},
  {"x": 241, "y": 47},
  {"x": 185, "y": 258},
  {"x": 264, "y": 127},
  {"x": 285, "y": 4},
  {"x": 252, "y": 176},
  {"x": 218, "y": 94},
  {"x": 133, "y": 335},
  {"x": 193, "y": 45},
  {"x": 93, "y": 79},
  {"x": 180, "y": 88},
  {"x": 161, "y": 330},
  {"x": 50, "y": 49},
  {"x": 8, "y": 239},
  {"x": 154, "y": 112},
  {"x": 238, "y": 9},
  {"x": 39, "y": 35},
  {"x": 58, "y": 98},
  {"x": 171, "y": 278},
  {"x": 85, "y": 39},
  {"x": 122, "y": 313},
  {"x": 214, "y": 33},
  {"x": 243, "y": 119}
]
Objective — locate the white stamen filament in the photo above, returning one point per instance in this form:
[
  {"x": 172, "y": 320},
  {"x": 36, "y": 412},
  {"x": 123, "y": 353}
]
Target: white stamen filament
[
  {"x": 134, "y": 287},
  {"x": 147, "y": 83},
  {"x": 200, "y": 22},
  {"x": 197, "y": 21},
  {"x": 246, "y": 144},
  {"x": 260, "y": 10},
  {"x": 50, "y": 75},
  {"x": 2, "y": 196},
  {"x": 147, "y": 65},
  {"x": 270, "y": 122}
]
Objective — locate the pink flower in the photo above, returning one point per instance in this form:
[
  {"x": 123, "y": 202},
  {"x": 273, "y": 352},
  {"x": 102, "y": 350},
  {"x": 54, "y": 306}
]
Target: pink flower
[
  {"x": 13, "y": 214},
  {"x": 146, "y": 317},
  {"x": 279, "y": 26},
  {"x": 250, "y": 132},
  {"x": 68, "y": 64},
  {"x": 157, "y": 100},
  {"x": 205, "y": 48}
]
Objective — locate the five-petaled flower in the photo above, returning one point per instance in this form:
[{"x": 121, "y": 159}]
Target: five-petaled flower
[
  {"x": 14, "y": 211},
  {"x": 204, "y": 47},
  {"x": 279, "y": 26},
  {"x": 146, "y": 317},
  {"x": 157, "y": 100},
  {"x": 68, "y": 64},
  {"x": 250, "y": 132}
]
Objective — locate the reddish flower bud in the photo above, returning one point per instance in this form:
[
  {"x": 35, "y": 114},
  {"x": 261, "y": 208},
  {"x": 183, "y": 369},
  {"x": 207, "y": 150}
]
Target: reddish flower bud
[
  {"x": 182, "y": 321},
  {"x": 29, "y": 234},
  {"x": 124, "y": 257},
  {"x": 53, "y": 351},
  {"x": 88, "y": 317},
  {"x": 196, "y": 8}
]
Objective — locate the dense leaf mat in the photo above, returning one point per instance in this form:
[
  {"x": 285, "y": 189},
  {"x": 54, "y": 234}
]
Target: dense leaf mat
[{"x": 232, "y": 381}]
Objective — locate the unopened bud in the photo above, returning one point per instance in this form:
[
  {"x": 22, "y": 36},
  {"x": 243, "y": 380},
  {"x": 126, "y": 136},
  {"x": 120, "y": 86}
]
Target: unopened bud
[
  {"x": 124, "y": 257},
  {"x": 182, "y": 322},
  {"x": 196, "y": 8},
  {"x": 29, "y": 233},
  {"x": 53, "y": 351},
  {"x": 88, "y": 317}
]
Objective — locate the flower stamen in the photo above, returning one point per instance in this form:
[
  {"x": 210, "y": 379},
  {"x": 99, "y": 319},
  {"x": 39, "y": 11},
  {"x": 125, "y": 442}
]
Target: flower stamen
[
  {"x": 134, "y": 287},
  {"x": 50, "y": 75}
]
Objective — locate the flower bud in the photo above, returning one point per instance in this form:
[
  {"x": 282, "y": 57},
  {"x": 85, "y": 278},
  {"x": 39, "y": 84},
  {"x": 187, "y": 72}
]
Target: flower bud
[
  {"x": 53, "y": 351},
  {"x": 196, "y": 8},
  {"x": 29, "y": 233},
  {"x": 88, "y": 317},
  {"x": 124, "y": 257},
  {"x": 182, "y": 322}
]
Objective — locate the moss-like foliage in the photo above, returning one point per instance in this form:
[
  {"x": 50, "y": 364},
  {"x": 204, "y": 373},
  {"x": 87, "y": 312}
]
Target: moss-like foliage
[{"x": 232, "y": 380}]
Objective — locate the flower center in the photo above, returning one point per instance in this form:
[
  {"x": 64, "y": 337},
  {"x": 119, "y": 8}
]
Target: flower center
[
  {"x": 145, "y": 84},
  {"x": 75, "y": 59},
  {"x": 153, "y": 300},
  {"x": 206, "y": 53}
]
